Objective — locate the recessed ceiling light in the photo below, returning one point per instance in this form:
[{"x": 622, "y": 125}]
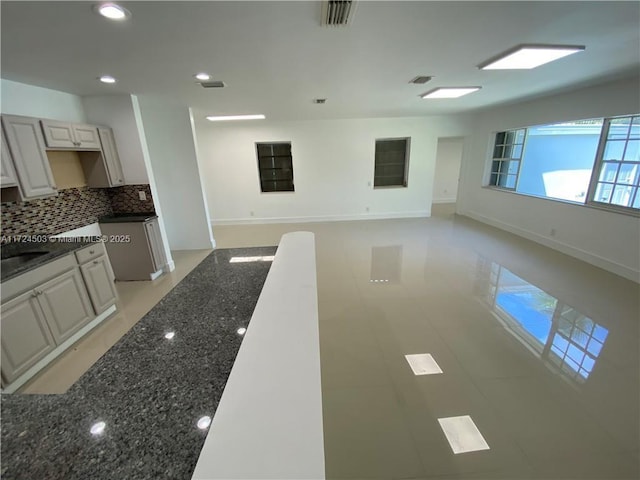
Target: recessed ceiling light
[
  {"x": 529, "y": 56},
  {"x": 449, "y": 92},
  {"x": 112, "y": 11},
  {"x": 203, "y": 76},
  {"x": 222, "y": 118},
  {"x": 107, "y": 79}
]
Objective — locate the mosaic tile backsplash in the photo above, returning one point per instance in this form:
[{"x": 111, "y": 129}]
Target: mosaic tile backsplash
[
  {"x": 71, "y": 208},
  {"x": 125, "y": 199}
]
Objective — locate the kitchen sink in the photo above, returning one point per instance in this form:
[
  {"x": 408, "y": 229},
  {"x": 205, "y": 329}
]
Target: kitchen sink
[{"x": 20, "y": 259}]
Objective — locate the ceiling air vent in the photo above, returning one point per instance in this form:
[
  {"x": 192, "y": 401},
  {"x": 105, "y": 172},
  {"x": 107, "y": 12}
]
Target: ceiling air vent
[
  {"x": 420, "y": 80},
  {"x": 213, "y": 84},
  {"x": 338, "y": 12}
]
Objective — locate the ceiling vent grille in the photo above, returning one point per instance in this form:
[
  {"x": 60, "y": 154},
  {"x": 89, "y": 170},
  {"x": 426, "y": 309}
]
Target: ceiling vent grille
[
  {"x": 420, "y": 80},
  {"x": 213, "y": 84},
  {"x": 338, "y": 12}
]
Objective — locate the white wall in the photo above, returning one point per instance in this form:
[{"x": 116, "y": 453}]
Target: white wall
[
  {"x": 608, "y": 240},
  {"x": 333, "y": 164},
  {"x": 116, "y": 111},
  {"x": 448, "y": 159},
  {"x": 31, "y": 101},
  {"x": 175, "y": 168}
]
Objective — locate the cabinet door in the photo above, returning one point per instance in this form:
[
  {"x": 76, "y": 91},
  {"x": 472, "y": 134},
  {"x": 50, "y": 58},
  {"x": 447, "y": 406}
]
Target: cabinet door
[
  {"x": 99, "y": 283},
  {"x": 58, "y": 134},
  {"x": 26, "y": 338},
  {"x": 111, "y": 157},
  {"x": 155, "y": 243},
  {"x": 25, "y": 141},
  {"x": 65, "y": 303},
  {"x": 86, "y": 136},
  {"x": 8, "y": 176}
]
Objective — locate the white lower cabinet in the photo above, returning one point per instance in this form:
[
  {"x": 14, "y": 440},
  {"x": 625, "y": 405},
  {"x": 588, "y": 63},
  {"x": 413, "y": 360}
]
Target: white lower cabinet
[
  {"x": 99, "y": 280},
  {"x": 65, "y": 304},
  {"x": 26, "y": 337},
  {"x": 46, "y": 306}
]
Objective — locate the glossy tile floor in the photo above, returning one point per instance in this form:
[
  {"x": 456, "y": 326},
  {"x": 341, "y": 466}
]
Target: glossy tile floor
[
  {"x": 538, "y": 349},
  {"x": 135, "y": 299}
]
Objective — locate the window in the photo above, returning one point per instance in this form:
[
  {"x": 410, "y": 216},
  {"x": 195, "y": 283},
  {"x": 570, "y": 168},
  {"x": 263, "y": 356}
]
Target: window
[
  {"x": 618, "y": 174},
  {"x": 594, "y": 162},
  {"x": 391, "y": 162},
  {"x": 507, "y": 155},
  {"x": 275, "y": 166}
]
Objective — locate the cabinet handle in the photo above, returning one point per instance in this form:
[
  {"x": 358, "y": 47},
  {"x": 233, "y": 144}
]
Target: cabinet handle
[
  {"x": 91, "y": 252},
  {"x": 38, "y": 292},
  {"x": 34, "y": 294},
  {"x": 96, "y": 262}
]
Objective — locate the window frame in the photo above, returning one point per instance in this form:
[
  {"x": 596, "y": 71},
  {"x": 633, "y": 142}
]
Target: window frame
[
  {"x": 502, "y": 160},
  {"x": 597, "y": 171},
  {"x": 589, "y": 201},
  {"x": 407, "y": 153},
  {"x": 260, "y": 169}
]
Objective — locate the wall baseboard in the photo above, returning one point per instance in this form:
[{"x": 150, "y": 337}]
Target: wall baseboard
[
  {"x": 593, "y": 259},
  {"x": 327, "y": 218},
  {"x": 444, "y": 200}
]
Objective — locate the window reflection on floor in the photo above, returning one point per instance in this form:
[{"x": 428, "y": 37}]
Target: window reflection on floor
[{"x": 564, "y": 338}]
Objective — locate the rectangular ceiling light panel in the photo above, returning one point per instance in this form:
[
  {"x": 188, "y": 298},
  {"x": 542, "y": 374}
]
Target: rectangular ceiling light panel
[
  {"x": 529, "y": 56},
  {"x": 423, "y": 364},
  {"x": 449, "y": 92},
  {"x": 462, "y": 434}
]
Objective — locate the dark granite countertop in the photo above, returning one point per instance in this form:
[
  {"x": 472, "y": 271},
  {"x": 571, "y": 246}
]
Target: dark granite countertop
[
  {"x": 127, "y": 217},
  {"x": 44, "y": 252},
  {"x": 149, "y": 390}
]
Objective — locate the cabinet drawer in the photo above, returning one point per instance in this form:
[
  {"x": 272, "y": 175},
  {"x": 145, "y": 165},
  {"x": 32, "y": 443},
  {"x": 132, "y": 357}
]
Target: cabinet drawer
[
  {"x": 28, "y": 280},
  {"x": 90, "y": 252}
]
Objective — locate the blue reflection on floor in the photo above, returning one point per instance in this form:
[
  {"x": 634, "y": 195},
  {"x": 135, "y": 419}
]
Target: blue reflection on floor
[{"x": 524, "y": 307}]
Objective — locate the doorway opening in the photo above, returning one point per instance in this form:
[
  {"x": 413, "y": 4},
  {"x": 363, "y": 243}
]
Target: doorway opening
[{"x": 447, "y": 175}]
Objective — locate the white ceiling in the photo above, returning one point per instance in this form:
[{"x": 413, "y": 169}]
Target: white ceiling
[{"x": 276, "y": 58}]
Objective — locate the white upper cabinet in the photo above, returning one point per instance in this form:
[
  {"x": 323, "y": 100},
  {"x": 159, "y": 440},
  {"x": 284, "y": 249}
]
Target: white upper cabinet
[
  {"x": 8, "y": 177},
  {"x": 24, "y": 139},
  {"x": 72, "y": 136},
  {"x": 111, "y": 157}
]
